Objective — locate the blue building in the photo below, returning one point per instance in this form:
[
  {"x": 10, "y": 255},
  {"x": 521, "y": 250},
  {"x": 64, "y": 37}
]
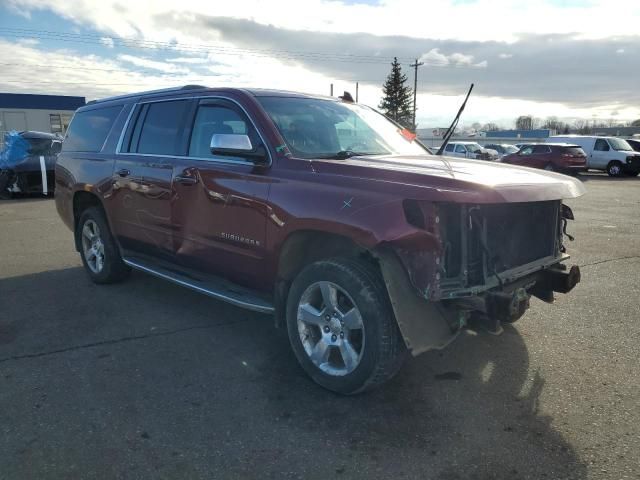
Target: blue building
[{"x": 539, "y": 133}]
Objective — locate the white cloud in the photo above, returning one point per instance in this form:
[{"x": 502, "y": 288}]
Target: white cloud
[
  {"x": 473, "y": 20},
  {"x": 107, "y": 42},
  {"x": 190, "y": 60},
  {"x": 434, "y": 20},
  {"x": 434, "y": 57},
  {"x": 461, "y": 59},
  {"x": 28, "y": 41},
  {"x": 152, "y": 64}
]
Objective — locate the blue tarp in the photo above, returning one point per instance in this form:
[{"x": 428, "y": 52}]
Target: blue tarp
[{"x": 15, "y": 149}]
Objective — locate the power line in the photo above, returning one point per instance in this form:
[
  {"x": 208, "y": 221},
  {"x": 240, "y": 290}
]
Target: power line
[{"x": 206, "y": 48}]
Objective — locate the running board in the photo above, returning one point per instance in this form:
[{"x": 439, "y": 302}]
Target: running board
[{"x": 212, "y": 286}]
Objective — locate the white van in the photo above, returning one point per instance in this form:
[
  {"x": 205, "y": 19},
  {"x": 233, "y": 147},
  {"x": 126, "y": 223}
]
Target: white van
[{"x": 613, "y": 155}]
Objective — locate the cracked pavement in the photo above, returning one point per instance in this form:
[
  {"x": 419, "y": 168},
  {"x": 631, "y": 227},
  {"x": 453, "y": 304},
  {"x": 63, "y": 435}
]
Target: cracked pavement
[{"x": 145, "y": 379}]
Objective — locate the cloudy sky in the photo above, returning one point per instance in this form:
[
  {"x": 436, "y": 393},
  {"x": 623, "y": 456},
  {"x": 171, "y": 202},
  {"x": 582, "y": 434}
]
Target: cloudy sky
[{"x": 564, "y": 58}]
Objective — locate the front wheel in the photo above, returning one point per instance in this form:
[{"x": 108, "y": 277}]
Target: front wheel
[
  {"x": 614, "y": 168},
  {"x": 342, "y": 328}
]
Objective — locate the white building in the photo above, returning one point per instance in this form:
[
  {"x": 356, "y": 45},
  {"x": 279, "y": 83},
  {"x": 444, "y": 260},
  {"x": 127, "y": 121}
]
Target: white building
[{"x": 42, "y": 113}]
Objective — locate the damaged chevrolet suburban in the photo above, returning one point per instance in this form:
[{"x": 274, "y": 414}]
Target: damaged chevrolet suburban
[{"x": 317, "y": 210}]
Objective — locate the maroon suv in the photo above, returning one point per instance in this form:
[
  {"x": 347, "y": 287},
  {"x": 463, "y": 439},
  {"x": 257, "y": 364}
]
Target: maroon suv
[
  {"x": 319, "y": 211},
  {"x": 558, "y": 157}
]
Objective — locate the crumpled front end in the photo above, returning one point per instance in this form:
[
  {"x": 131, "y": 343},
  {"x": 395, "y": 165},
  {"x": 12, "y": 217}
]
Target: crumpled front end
[{"x": 485, "y": 259}]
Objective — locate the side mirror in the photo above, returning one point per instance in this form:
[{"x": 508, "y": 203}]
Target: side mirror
[{"x": 237, "y": 145}]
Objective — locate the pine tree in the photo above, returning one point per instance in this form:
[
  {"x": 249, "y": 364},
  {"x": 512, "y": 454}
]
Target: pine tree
[{"x": 397, "y": 102}]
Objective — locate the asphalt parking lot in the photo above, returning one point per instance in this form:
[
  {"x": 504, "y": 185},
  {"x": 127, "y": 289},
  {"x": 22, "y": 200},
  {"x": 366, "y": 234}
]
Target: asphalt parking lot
[{"x": 149, "y": 380}]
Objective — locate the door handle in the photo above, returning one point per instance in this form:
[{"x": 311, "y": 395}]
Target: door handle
[
  {"x": 124, "y": 172},
  {"x": 186, "y": 179}
]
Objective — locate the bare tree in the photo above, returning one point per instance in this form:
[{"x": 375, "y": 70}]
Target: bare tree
[
  {"x": 524, "y": 122},
  {"x": 490, "y": 127}
]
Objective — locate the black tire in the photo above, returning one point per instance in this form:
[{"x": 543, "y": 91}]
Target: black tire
[
  {"x": 382, "y": 350},
  {"x": 550, "y": 167},
  {"x": 614, "y": 168},
  {"x": 113, "y": 268}
]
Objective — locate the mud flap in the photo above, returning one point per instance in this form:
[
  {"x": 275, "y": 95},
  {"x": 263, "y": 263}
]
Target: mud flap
[{"x": 424, "y": 325}]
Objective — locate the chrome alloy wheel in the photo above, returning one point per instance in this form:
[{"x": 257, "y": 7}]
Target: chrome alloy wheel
[
  {"x": 92, "y": 246},
  {"x": 330, "y": 328}
]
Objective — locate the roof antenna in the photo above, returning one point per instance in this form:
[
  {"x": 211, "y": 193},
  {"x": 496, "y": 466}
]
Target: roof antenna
[{"x": 346, "y": 97}]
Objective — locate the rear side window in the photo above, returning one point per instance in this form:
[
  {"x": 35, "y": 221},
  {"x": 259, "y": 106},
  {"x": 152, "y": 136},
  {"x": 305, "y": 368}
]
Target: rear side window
[
  {"x": 574, "y": 151},
  {"x": 159, "y": 128},
  {"x": 89, "y": 129},
  {"x": 540, "y": 149}
]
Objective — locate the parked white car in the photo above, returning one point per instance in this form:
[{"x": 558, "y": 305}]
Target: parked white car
[
  {"x": 610, "y": 154},
  {"x": 470, "y": 150}
]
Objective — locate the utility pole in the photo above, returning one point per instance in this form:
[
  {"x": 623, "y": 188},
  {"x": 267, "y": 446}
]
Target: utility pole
[
  {"x": 415, "y": 89},
  {"x": 331, "y": 90},
  {"x": 356, "y": 92}
]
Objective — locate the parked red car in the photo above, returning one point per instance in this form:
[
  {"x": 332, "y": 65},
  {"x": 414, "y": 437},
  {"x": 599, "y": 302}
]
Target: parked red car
[{"x": 559, "y": 157}]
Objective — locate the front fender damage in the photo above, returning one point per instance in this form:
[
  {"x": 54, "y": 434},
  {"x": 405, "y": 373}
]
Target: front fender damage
[{"x": 424, "y": 325}]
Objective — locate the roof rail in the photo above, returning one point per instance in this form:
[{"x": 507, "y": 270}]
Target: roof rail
[{"x": 148, "y": 92}]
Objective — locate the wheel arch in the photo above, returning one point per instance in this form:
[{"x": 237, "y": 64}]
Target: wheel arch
[
  {"x": 304, "y": 247},
  {"x": 83, "y": 200}
]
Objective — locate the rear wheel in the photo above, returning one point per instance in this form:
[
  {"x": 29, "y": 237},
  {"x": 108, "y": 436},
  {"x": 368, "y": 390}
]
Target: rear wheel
[
  {"x": 341, "y": 326},
  {"x": 614, "y": 168},
  {"x": 550, "y": 167},
  {"x": 98, "y": 250}
]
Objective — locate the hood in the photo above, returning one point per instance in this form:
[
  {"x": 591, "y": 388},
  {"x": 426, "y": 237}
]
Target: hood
[{"x": 438, "y": 178}]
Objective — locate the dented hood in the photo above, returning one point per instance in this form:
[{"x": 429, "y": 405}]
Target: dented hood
[{"x": 457, "y": 179}]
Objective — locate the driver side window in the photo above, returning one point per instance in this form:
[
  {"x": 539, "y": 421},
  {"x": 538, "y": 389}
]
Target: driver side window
[
  {"x": 526, "y": 151},
  {"x": 210, "y": 120},
  {"x": 601, "y": 145}
]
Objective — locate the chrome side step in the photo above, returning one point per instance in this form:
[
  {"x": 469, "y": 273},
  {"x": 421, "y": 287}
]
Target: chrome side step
[{"x": 214, "y": 287}]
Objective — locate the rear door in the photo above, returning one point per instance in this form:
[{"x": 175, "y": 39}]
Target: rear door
[
  {"x": 142, "y": 177},
  {"x": 219, "y": 205}
]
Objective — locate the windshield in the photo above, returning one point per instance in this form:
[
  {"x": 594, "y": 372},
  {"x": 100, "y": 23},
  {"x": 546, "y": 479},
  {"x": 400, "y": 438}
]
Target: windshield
[
  {"x": 619, "y": 144},
  {"x": 510, "y": 149},
  {"x": 316, "y": 128},
  {"x": 474, "y": 147}
]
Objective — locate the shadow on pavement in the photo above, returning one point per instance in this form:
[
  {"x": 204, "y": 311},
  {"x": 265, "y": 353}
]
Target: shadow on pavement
[
  {"x": 595, "y": 177},
  {"x": 194, "y": 388}
]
